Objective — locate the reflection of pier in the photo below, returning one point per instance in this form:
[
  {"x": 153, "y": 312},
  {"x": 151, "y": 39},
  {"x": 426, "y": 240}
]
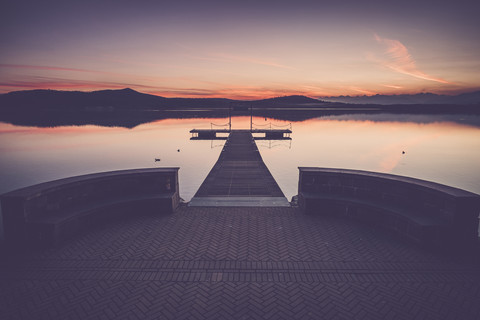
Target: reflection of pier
[
  {"x": 240, "y": 177},
  {"x": 268, "y": 134}
]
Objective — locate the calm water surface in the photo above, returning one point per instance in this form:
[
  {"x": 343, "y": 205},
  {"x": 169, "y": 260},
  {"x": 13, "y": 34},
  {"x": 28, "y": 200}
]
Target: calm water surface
[{"x": 436, "y": 149}]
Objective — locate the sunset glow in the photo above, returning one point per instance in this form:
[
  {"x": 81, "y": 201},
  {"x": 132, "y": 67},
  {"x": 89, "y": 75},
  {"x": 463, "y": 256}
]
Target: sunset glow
[{"x": 241, "y": 50}]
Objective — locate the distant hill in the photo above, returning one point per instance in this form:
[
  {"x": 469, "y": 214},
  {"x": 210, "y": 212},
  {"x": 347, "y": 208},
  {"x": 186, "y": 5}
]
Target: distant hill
[
  {"x": 128, "y": 108},
  {"x": 421, "y": 98},
  {"x": 291, "y": 100},
  {"x": 68, "y": 100},
  {"x": 128, "y": 99}
]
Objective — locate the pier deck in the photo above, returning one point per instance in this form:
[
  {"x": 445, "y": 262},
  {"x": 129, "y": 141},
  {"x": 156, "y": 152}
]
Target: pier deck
[
  {"x": 269, "y": 134},
  {"x": 240, "y": 177}
]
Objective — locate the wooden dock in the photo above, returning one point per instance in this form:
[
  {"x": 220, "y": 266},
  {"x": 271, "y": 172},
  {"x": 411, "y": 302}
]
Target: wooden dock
[
  {"x": 240, "y": 177},
  {"x": 268, "y": 134}
]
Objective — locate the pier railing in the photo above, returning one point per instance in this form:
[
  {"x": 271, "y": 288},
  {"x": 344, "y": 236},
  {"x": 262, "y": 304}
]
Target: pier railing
[{"x": 269, "y": 133}]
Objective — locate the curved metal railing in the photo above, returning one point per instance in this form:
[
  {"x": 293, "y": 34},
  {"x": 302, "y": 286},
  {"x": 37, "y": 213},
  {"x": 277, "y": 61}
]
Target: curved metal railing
[
  {"x": 219, "y": 125},
  {"x": 270, "y": 125}
]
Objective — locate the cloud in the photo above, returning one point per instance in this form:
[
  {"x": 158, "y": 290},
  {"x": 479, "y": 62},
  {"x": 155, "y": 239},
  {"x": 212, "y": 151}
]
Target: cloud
[
  {"x": 366, "y": 92},
  {"x": 231, "y": 92},
  {"x": 57, "y": 68},
  {"x": 391, "y": 86},
  {"x": 50, "y": 68},
  {"x": 399, "y": 59},
  {"x": 68, "y": 84},
  {"x": 213, "y": 91}
]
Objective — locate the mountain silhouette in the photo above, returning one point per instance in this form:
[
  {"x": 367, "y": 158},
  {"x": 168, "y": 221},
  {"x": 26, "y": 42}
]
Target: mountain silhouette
[
  {"x": 293, "y": 100},
  {"x": 128, "y": 108},
  {"x": 128, "y": 99},
  {"x": 420, "y": 98},
  {"x": 74, "y": 100}
]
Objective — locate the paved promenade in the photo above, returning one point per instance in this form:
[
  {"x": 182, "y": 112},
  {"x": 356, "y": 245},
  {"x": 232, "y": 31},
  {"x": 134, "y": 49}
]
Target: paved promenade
[{"x": 238, "y": 263}]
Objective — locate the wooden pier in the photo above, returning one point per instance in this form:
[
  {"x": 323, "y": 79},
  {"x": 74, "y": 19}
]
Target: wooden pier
[
  {"x": 268, "y": 134},
  {"x": 240, "y": 177}
]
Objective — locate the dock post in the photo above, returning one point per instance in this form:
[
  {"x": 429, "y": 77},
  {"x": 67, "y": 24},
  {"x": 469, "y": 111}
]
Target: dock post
[{"x": 251, "y": 118}]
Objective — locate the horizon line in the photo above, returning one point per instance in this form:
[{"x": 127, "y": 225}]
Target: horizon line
[{"x": 226, "y": 96}]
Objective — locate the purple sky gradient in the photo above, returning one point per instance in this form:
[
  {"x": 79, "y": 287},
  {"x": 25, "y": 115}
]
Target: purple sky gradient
[{"x": 241, "y": 49}]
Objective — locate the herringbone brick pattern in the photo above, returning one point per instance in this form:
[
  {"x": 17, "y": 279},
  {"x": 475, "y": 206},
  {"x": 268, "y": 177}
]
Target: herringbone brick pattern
[{"x": 238, "y": 263}]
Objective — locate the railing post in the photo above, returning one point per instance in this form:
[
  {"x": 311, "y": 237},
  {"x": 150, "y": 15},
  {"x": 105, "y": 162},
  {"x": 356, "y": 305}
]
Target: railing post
[{"x": 251, "y": 118}]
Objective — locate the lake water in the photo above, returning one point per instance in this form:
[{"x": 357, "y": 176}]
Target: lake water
[{"x": 444, "y": 149}]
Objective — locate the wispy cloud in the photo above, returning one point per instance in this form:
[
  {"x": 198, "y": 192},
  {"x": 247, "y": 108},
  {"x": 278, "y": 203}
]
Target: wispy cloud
[
  {"x": 49, "y": 68},
  {"x": 188, "y": 87},
  {"x": 399, "y": 59},
  {"x": 360, "y": 90},
  {"x": 391, "y": 86},
  {"x": 68, "y": 84},
  {"x": 60, "y": 68},
  {"x": 232, "y": 92},
  {"x": 212, "y": 90}
]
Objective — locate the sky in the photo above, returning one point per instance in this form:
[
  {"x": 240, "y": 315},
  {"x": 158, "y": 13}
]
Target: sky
[{"x": 241, "y": 49}]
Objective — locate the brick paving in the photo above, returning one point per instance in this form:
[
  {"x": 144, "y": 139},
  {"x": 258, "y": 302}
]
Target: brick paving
[{"x": 238, "y": 263}]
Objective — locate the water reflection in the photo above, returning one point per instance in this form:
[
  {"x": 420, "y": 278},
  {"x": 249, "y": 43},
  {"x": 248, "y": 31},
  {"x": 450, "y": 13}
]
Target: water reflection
[
  {"x": 438, "y": 150},
  {"x": 464, "y": 119},
  {"x": 32, "y": 155},
  {"x": 444, "y": 152}
]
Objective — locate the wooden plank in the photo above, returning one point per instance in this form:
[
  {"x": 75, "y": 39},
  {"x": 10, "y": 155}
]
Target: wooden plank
[{"x": 240, "y": 172}]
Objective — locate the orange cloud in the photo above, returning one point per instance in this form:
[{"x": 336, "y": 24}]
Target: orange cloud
[
  {"x": 211, "y": 90},
  {"x": 69, "y": 84},
  {"x": 231, "y": 92},
  {"x": 366, "y": 92},
  {"x": 399, "y": 59},
  {"x": 392, "y": 86}
]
